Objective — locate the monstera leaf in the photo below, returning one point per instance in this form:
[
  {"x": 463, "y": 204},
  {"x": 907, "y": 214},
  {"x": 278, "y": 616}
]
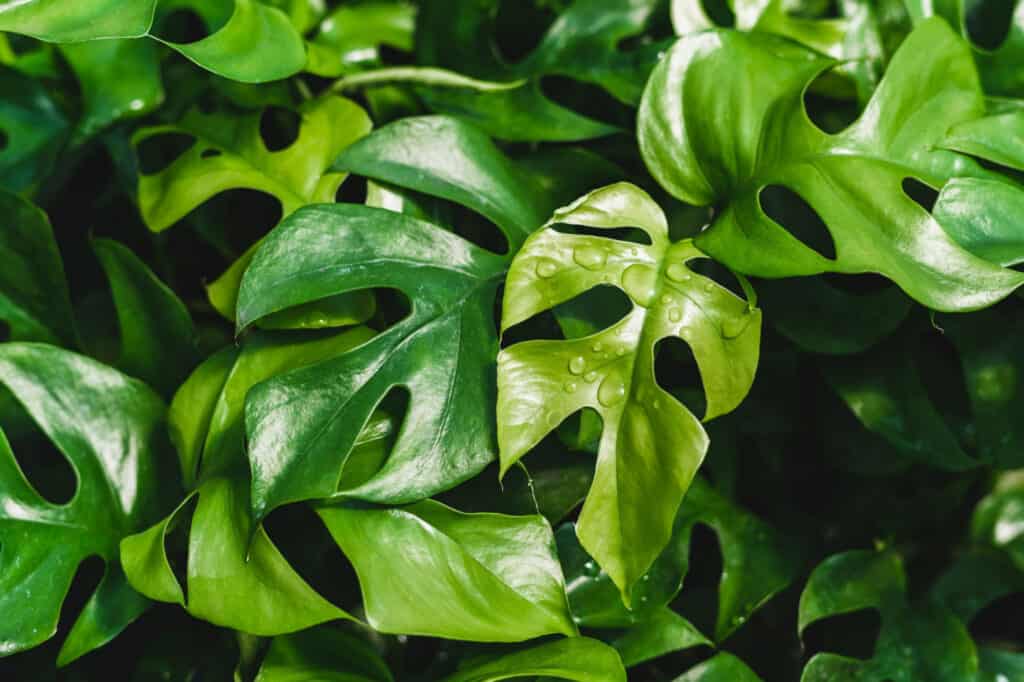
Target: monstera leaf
[
  {"x": 853, "y": 179},
  {"x": 723, "y": 667},
  {"x": 852, "y": 37},
  {"x": 999, "y": 64},
  {"x": 580, "y": 659},
  {"x": 758, "y": 562},
  {"x": 236, "y": 47},
  {"x": 351, "y": 36},
  {"x": 500, "y": 580},
  {"x": 33, "y": 131},
  {"x": 109, "y": 428},
  {"x": 442, "y": 352},
  {"x": 236, "y": 575},
  {"x": 323, "y": 654},
  {"x": 583, "y": 44},
  {"x": 231, "y": 154},
  {"x": 651, "y": 446},
  {"x": 920, "y": 641},
  {"x": 999, "y": 521}
]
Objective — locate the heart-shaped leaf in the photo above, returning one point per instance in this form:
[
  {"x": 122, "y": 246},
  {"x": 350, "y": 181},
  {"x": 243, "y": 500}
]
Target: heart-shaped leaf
[{"x": 853, "y": 180}]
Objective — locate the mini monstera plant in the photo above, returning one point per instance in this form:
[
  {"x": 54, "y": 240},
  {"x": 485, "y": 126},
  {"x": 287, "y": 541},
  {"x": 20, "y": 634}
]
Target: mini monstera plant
[{"x": 474, "y": 340}]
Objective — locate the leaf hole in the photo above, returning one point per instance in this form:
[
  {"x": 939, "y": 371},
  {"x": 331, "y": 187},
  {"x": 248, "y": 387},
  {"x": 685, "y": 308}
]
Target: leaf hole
[
  {"x": 719, "y": 12},
  {"x": 722, "y": 275},
  {"x": 597, "y": 308},
  {"x": 676, "y": 371},
  {"x": 519, "y": 27},
  {"x": 375, "y": 440},
  {"x": 698, "y": 600},
  {"x": 920, "y": 193},
  {"x": 83, "y": 585},
  {"x": 792, "y": 213},
  {"x": 859, "y": 285},
  {"x": 393, "y": 306},
  {"x": 236, "y": 218},
  {"x": 299, "y": 534},
  {"x": 45, "y": 467},
  {"x": 634, "y": 235},
  {"x": 3, "y": 140},
  {"x": 353, "y": 190},
  {"x": 158, "y": 152},
  {"x": 851, "y": 634},
  {"x": 998, "y": 622},
  {"x": 182, "y": 26},
  {"x": 657, "y": 28},
  {"x": 210, "y": 153},
  {"x": 588, "y": 99},
  {"x": 831, "y": 102},
  {"x": 279, "y": 128},
  {"x": 989, "y": 22}
]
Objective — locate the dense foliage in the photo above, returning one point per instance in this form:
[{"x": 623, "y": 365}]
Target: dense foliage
[{"x": 472, "y": 340}]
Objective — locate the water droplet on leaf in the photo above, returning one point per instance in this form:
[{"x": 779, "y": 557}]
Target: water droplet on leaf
[
  {"x": 612, "y": 390},
  {"x": 639, "y": 282},
  {"x": 546, "y": 268},
  {"x": 677, "y": 272},
  {"x": 577, "y": 365},
  {"x": 590, "y": 257}
]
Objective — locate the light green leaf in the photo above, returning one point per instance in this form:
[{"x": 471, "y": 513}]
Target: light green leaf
[
  {"x": 64, "y": 22},
  {"x": 34, "y": 299},
  {"x": 351, "y": 36},
  {"x": 487, "y": 577},
  {"x": 853, "y": 179},
  {"x": 662, "y": 633},
  {"x": 651, "y": 445},
  {"x": 119, "y": 79},
  {"x": 230, "y": 154},
  {"x": 721, "y": 668},
  {"x": 998, "y": 521},
  {"x": 108, "y": 427},
  {"x": 581, "y": 659}
]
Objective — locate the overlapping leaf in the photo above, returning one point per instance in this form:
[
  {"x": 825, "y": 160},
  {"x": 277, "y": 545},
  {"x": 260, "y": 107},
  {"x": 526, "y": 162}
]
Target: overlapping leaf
[
  {"x": 853, "y": 179},
  {"x": 581, "y": 659},
  {"x": 583, "y": 43},
  {"x": 651, "y": 445},
  {"x": 302, "y": 425},
  {"x": 231, "y": 154}
]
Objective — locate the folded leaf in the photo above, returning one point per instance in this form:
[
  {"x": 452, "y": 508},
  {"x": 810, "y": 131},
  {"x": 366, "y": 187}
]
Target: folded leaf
[
  {"x": 487, "y": 577},
  {"x": 651, "y": 445},
  {"x": 108, "y": 427},
  {"x": 722, "y": 119}
]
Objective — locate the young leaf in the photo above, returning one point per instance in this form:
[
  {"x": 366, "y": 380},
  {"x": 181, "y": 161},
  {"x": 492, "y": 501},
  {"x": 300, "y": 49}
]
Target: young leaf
[
  {"x": 231, "y": 154},
  {"x": 580, "y": 659},
  {"x": 651, "y": 445},
  {"x": 487, "y": 577},
  {"x": 108, "y": 427},
  {"x": 853, "y": 180}
]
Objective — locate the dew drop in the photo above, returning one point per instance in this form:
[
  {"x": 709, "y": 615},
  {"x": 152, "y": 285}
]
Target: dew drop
[
  {"x": 597, "y": 347},
  {"x": 675, "y": 315},
  {"x": 677, "y": 272},
  {"x": 571, "y": 386},
  {"x": 590, "y": 257},
  {"x": 639, "y": 282},
  {"x": 656, "y": 404},
  {"x": 666, "y": 299},
  {"x": 590, "y": 377},
  {"x": 612, "y": 390},
  {"x": 709, "y": 287},
  {"x": 546, "y": 268},
  {"x": 590, "y": 568},
  {"x": 577, "y": 365}
]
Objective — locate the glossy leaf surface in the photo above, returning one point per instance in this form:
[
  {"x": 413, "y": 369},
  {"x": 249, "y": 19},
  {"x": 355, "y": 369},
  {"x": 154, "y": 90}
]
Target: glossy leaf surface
[
  {"x": 852, "y": 180},
  {"x": 109, "y": 428},
  {"x": 651, "y": 445}
]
